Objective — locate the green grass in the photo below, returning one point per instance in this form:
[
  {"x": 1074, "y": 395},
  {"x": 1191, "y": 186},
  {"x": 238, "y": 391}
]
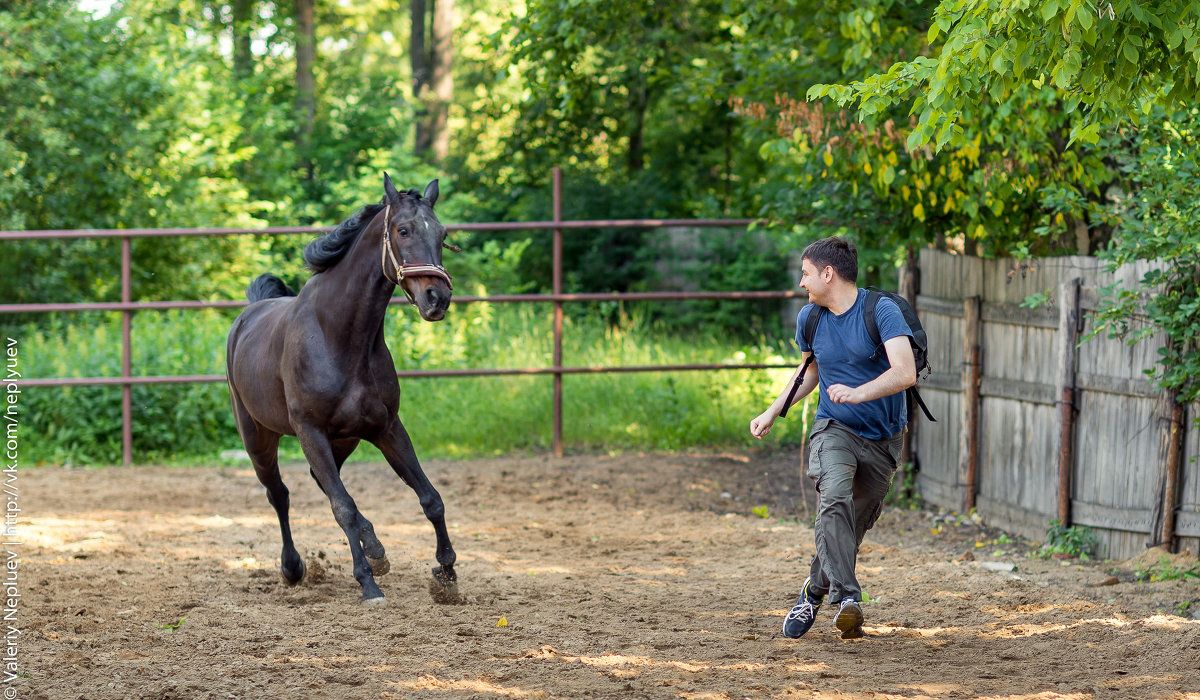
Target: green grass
[{"x": 446, "y": 417}]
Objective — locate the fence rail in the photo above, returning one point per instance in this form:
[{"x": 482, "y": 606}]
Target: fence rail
[{"x": 127, "y": 307}]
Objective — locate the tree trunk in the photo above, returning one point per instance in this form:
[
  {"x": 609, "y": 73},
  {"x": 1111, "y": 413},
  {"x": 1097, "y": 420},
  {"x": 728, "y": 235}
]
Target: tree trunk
[
  {"x": 419, "y": 57},
  {"x": 306, "y": 88},
  {"x": 243, "y": 59},
  {"x": 433, "y": 82},
  {"x": 639, "y": 98},
  {"x": 441, "y": 78}
]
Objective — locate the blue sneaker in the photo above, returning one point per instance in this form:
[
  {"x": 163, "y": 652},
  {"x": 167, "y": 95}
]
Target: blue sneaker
[
  {"x": 849, "y": 619},
  {"x": 802, "y": 616}
]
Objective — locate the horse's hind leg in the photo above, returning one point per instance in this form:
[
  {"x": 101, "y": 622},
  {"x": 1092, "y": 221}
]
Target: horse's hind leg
[
  {"x": 263, "y": 447},
  {"x": 321, "y": 459},
  {"x": 397, "y": 448}
]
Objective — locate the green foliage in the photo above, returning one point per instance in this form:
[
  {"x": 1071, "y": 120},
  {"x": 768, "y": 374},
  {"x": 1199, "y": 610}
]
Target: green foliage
[
  {"x": 1164, "y": 570},
  {"x": 1076, "y": 541},
  {"x": 903, "y": 493},
  {"x": 870, "y": 178},
  {"x": 82, "y": 424},
  {"x": 720, "y": 260},
  {"x": 624, "y": 90},
  {"x": 1160, "y": 223},
  {"x": 1036, "y": 300},
  {"x": 1108, "y": 63}
]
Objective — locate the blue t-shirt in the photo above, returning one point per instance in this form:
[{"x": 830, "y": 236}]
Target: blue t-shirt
[{"x": 843, "y": 353}]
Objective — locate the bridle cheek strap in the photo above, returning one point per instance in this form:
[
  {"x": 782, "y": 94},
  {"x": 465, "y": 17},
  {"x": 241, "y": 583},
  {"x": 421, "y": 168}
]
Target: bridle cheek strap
[{"x": 405, "y": 269}]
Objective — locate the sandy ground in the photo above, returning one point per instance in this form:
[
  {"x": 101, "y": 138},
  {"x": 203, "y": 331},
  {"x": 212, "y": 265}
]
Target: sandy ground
[{"x": 589, "y": 576}]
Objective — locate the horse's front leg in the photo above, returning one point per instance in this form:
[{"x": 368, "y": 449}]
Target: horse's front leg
[
  {"x": 324, "y": 466},
  {"x": 372, "y": 547},
  {"x": 397, "y": 448}
]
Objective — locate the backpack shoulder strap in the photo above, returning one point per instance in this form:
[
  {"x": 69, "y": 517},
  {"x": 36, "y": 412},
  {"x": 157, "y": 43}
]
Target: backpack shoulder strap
[
  {"x": 810, "y": 332},
  {"x": 869, "y": 318},
  {"x": 796, "y": 386},
  {"x": 810, "y": 324},
  {"x": 913, "y": 395}
]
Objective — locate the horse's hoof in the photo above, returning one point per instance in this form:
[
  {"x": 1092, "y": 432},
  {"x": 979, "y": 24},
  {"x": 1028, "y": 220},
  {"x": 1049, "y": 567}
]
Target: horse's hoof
[
  {"x": 445, "y": 592},
  {"x": 375, "y": 601},
  {"x": 380, "y": 566},
  {"x": 292, "y": 576}
]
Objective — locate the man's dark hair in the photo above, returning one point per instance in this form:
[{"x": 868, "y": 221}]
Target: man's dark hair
[{"x": 835, "y": 252}]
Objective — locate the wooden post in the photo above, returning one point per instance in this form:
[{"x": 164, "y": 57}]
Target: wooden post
[
  {"x": 971, "y": 373},
  {"x": 1068, "y": 335},
  {"x": 1170, "y": 456}
]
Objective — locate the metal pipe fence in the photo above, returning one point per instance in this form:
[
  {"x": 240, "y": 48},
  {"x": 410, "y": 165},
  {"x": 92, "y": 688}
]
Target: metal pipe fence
[{"x": 127, "y": 307}]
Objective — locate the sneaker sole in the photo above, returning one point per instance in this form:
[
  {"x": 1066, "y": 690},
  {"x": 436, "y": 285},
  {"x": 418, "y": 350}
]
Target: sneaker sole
[{"x": 849, "y": 622}]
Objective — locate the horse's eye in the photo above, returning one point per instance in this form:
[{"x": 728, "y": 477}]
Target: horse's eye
[{"x": 403, "y": 231}]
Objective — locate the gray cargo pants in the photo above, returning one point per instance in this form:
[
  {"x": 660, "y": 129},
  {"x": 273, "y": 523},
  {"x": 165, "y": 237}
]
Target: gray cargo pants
[{"x": 852, "y": 475}]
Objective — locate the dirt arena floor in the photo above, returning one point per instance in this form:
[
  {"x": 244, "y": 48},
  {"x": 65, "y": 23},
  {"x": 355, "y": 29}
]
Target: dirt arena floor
[{"x": 630, "y": 576}]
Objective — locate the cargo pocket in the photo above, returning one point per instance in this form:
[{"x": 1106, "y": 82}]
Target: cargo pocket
[
  {"x": 815, "y": 446},
  {"x": 895, "y": 447}
]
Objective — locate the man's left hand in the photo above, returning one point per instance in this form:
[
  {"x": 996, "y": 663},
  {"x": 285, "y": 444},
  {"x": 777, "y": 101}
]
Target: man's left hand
[{"x": 840, "y": 393}]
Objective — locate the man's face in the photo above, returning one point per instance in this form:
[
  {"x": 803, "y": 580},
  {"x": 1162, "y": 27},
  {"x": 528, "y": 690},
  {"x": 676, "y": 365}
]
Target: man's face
[{"x": 814, "y": 281}]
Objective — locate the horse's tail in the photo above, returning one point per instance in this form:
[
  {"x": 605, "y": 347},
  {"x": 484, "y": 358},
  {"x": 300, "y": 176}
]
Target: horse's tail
[{"x": 268, "y": 287}]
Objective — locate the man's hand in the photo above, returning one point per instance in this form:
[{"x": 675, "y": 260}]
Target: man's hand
[
  {"x": 840, "y": 393},
  {"x": 762, "y": 425}
]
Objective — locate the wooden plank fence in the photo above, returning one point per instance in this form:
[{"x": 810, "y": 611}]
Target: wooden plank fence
[{"x": 1034, "y": 426}]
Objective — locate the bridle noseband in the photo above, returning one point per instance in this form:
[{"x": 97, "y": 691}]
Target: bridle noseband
[{"x": 405, "y": 269}]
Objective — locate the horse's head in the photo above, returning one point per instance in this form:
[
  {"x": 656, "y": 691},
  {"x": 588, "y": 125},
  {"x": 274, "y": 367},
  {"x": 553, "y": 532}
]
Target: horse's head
[{"x": 412, "y": 248}]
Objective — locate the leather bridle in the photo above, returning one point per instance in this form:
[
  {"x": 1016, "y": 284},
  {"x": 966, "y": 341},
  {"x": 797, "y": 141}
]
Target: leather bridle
[{"x": 405, "y": 269}]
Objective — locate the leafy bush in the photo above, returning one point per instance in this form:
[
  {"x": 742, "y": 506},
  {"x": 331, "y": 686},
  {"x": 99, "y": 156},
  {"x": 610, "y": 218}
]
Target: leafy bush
[
  {"x": 1076, "y": 541},
  {"x": 1164, "y": 570}
]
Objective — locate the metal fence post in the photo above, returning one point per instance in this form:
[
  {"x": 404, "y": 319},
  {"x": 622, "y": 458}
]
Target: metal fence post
[
  {"x": 558, "y": 315},
  {"x": 126, "y": 351}
]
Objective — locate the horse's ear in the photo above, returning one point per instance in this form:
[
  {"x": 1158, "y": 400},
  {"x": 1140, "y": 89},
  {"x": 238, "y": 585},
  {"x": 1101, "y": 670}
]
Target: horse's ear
[
  {"x": 389, "y": 189},
  {"x": 431, "y": 193}
]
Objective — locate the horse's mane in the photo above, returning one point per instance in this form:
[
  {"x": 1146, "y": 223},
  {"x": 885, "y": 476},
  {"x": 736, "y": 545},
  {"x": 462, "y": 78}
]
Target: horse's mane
[{"x": 325, "y": 252}]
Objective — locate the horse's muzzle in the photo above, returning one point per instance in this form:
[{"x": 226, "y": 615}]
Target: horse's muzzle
[{"x": 431, "y": 296}]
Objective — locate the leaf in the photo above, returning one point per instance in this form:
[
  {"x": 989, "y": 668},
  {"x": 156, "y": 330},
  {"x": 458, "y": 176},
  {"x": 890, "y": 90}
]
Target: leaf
[
  {"x": 828, "y": 157},
  {"x": 1130, "y": 51},
  {"x": 1085, "y": 19},
  {"x": 919, "y": 212},
  {"x": 172, "y": 626},
  {"x": 916, "y": 139},
  {"x": 760, "y": 511},
  {"x": 998, "y": 61},
  {"x": 502, "y": 622}
]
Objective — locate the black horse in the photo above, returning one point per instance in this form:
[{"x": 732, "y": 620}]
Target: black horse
[{"x": 315, "y": 365}]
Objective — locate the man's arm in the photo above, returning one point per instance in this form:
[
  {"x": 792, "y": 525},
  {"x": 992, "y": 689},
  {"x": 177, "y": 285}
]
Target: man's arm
[
  {"x": 900, "y": 376},
  {"x": 762, "y": 424}
]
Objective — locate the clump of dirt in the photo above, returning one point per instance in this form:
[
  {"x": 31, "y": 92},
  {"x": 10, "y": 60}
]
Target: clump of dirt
[{"x": 1161, "y": 558}]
